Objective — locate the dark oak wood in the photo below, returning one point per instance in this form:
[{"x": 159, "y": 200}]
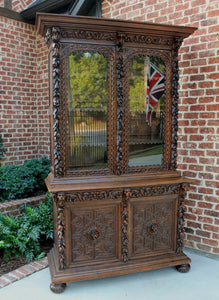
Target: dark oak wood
[
  {"x": 183, "y": 268},
  {"x": 119, "y": 219},
  {"x": 58, "y": 288}
]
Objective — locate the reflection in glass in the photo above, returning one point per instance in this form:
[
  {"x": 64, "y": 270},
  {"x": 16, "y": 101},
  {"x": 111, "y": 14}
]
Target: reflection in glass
[
  {"x": 146, "y": 106},
  {"x": 87, "y": 110}
]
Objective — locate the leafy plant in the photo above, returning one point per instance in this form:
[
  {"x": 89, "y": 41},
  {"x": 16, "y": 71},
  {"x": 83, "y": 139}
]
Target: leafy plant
[
  {"x": 23, "y": 235},
  {"x": 18, "y": 182},
  {"x": 2, "y": 149}
]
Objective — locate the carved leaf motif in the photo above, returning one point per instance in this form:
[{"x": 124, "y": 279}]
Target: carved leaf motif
[
  {"x": 175, "y": 99},
  {"x": 125, "y": 221},
  {"x": 54, "y": 35},
  {"x": 97, "y": 195},
  {"x": 145, "y": 39},
  {"x": 181, "y": 222},
  {"x": 60, "y": 200}
]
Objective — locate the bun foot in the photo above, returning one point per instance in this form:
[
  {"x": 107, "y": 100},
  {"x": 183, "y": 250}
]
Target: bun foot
[
  {"x": 57, "y": 288},
  {"x": 183, "y": 268}
]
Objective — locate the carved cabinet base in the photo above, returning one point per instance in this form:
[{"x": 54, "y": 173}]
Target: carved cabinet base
[
  {"x": 124, "y": 228},
  {"x": 112, "y": 269}
]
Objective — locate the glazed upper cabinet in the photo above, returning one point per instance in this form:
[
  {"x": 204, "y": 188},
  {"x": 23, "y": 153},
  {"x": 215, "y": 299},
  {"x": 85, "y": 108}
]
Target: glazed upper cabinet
[
  {"x": 114, "y": 95},
  {"x": 118, "y": 200}
]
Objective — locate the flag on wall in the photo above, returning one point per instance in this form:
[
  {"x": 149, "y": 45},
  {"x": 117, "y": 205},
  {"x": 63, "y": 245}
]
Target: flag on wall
[{"x": 155, "y": 89}]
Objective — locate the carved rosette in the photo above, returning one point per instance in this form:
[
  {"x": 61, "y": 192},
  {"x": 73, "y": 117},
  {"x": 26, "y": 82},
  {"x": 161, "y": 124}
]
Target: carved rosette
[
  {"x": 175, "y": 97},
  {"x": 124, "y": 216},
  {"x": 54, "y": 36},
  {"x": 60, "y": 200},
  {"x": 181, "y": 222},
  {"x": 120, "y": 100}
]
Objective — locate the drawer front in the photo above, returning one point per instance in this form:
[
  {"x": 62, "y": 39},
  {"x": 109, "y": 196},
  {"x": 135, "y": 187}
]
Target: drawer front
[
  {"x": 93, "y": 233},
  {"x": 153, "y": 222}
]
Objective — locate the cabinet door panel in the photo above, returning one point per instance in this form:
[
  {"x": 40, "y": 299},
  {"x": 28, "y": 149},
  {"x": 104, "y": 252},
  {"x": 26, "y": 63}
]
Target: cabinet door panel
[
  {"x": 93, "y": 233},
  {"x": 153, "y": 225}
]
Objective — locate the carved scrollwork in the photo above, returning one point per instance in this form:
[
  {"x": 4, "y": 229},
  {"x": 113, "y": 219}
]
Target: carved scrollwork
[
  {"x": 117, "y": 194},
  {"x": 88, "y": 35},
  {"x": 60, "y": 199},
  {"x": 96, "y": 195},
  {"x": 181, "y": 222},
  {"x": 120, "y": 105},
  {"x": 147, "y": 39},
  {"x": 154, "y": 191},
  {"x": 175, "y": 98},
  {"x": 124, "y": 216},
  {"x": 55, "y": 35}
]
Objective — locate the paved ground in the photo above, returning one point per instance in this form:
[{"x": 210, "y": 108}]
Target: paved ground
[{"x": 201, "y": 283}]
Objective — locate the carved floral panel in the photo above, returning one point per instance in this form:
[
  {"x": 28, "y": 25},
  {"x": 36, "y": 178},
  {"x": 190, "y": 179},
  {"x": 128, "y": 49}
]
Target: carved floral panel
[
  {"x": 93, "y": 233},
  {"x": 153, "y": 226}
]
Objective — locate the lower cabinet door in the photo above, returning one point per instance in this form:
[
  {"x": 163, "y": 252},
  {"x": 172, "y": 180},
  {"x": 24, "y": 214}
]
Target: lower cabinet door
[
  {"x": 153, "y": 225},
  {"x": 92, "y": 235}
]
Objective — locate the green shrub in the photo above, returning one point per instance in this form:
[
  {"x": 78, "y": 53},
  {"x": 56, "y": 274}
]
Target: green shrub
[
  {"x": 22, "y": 235},
  {"x": 23, "y": 181}
]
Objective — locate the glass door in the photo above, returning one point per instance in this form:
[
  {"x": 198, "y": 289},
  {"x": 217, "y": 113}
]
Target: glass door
[{"x": 146, "y": 110}]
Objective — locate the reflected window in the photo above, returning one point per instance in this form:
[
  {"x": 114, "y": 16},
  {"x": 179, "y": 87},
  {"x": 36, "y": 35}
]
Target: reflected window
[
  {"x": 146, "y": 107},
  {"x": 87, "y": 110}
]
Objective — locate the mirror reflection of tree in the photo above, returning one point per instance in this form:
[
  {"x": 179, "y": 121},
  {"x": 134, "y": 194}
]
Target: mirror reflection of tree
[
  {"x": 88, "y": 80},
  {"x": 87, "y": 110},
  {"x": 146, "y": 76}
]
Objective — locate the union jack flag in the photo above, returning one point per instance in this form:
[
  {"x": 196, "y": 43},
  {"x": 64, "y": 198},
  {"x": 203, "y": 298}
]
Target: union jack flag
[{"x": 155, "y": 89}]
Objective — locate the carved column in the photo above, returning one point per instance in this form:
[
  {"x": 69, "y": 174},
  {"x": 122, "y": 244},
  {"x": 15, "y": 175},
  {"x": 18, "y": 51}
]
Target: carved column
[
  {"x": 60, "y": 201},
  {"x": 181, "y": 222},
  {"x": 53, "y": 35},
  {"x": 175, "y": 99},
  {"x": 120, "y": 103},
  {"x": 125, "y": 220}
]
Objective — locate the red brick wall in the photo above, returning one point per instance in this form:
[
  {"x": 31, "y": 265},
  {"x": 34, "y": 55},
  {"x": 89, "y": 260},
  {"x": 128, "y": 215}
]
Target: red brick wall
[
  {"x": 24, "y": 122},
  {"x": 18, "y": 93},
  {"x": 198, "y": 146},
  {"x": 15, "y": 207},
  {"x": 43, "y": 96},
  {"x": 19, "y": 5}
]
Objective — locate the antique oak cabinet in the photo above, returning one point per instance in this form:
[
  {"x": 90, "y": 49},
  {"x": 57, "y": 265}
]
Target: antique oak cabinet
[{"x": 118, "y": 201}]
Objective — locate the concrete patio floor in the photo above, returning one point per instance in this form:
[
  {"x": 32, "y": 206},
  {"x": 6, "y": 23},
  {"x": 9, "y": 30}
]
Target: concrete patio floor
[{"x": 201, "y": 283}]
